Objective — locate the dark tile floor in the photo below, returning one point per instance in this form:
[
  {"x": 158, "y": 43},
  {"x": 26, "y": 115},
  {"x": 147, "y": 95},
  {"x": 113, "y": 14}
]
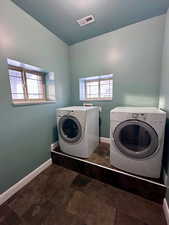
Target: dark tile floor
[
  {"x": 59, "y": 196},
  {"x": 101, "y": 155}
]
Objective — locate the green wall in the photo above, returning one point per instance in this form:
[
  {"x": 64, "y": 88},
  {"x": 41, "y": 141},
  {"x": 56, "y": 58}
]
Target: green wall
[
  {"x": 132, "y": 54},
  {"x": 27, "y": 132},
  {"x": 164, "y": 94}
]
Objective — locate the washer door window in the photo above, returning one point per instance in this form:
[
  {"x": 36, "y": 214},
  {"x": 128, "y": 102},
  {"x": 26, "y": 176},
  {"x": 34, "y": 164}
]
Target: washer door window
[
  {"x": 70, "y": 129},
  {"x": 136, "y": 139}
]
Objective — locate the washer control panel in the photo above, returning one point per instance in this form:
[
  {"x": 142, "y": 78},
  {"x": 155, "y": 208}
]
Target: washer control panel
[
  {"x": 141, "y": 116},
  {"x": 64, "y": 113}
]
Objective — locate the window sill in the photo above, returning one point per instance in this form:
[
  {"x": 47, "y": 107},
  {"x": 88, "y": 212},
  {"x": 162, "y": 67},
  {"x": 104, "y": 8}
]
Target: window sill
[
  {"x": 32, "y": 103},
  {"x": 96, "y": 100}
]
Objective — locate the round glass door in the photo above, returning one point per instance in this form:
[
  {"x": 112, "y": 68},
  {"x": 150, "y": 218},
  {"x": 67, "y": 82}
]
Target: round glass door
[
  {"x": 136, "y": 139},
  {"x": 70, "y": 129}
]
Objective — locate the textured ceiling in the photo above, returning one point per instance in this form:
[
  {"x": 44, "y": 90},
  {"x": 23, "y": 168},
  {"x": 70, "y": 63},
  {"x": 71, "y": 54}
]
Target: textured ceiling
[{"x": 60, "y": 16}]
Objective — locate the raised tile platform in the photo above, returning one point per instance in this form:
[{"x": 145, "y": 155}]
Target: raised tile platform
[{"x": 98, "y": 166}]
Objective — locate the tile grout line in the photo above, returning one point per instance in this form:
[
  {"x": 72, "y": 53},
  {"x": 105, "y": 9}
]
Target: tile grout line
[
  {"x": 115, "y": 221},
  {"x": 166, "y": 210}
]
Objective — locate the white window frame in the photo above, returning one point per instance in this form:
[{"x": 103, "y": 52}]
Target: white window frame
[
  {"x": 47, "y": 84},
  {"x": 83, "y": 87},
  {"x": 25, "y": 85}
]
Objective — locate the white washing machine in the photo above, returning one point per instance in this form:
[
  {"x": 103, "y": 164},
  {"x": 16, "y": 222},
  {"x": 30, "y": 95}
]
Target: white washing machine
[
  {"x": 137, "y": 136},
  {"x": 78, "y": 129}
]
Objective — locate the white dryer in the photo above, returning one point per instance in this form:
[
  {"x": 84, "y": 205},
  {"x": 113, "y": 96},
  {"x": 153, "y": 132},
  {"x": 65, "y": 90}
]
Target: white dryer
[
  {"x": 78, "y": 129},
  {"x": 137, "y": 136}
]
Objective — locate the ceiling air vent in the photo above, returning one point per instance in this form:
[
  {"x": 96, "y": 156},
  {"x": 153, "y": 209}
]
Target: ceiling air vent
[{"x": 86, "y": 20}]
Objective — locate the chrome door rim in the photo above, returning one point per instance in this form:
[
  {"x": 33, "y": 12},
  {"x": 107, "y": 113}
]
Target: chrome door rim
[
  {"x": 61, "y": 132},
  {"x": 147, "y": 152}
]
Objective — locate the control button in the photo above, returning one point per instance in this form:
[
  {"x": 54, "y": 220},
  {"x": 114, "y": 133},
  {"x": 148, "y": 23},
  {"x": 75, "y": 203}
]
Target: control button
[
  {"x": 135, "y": 115},
  {"x": 143, "y": 116}
]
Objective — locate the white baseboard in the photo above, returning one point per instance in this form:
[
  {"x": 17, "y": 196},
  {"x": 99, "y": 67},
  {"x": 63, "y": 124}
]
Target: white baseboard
[
  {"x": 20, "y": 184},
  {"x": 54, "y": 145},
  {"x": 165, "y": 176},
  {"x": 105, "y": 140},
  {"x": 166, "y": 210}
]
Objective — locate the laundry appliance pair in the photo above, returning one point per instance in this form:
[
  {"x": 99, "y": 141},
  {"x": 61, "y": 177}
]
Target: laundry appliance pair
[{"x": 136, "y": 136}]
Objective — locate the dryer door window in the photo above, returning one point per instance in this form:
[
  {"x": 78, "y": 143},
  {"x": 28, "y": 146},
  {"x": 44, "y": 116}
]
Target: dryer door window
[
  {"x": 136, "y": 139},
  {"x": 70, "y": 129}
]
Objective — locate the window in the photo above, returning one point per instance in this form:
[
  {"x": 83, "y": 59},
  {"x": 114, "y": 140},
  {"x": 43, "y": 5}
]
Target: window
[
  {"x": 96, "y": 88},
  {"x": 30, "y": 86}
]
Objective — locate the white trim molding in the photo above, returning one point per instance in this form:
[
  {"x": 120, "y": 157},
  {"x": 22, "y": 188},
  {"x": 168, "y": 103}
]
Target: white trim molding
[
  {"x": 20, "y": 184},
  {"x": 166, "y": 210},
  {"x": 165, "y": 176},
  {"x": 54, "y": 145},
  {"x": 105, "y": 140}
]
